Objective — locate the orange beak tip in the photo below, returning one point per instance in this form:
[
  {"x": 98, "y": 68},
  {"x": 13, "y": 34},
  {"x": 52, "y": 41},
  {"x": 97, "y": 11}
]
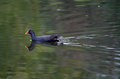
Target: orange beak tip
[
  {"x": 27, "y": 47},
  {"x": 27, "y": 32}
]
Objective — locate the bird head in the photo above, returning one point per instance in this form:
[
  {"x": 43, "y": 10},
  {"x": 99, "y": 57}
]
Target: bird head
[{"x": 29, "y": 31}]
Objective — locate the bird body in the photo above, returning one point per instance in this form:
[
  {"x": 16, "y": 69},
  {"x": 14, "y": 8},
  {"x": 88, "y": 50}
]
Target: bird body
[{"x": 45, "y": 38}]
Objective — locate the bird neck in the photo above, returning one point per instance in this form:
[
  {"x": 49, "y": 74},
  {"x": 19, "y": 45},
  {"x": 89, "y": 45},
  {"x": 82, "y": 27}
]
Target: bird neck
[{"x": 33, "y": 35}]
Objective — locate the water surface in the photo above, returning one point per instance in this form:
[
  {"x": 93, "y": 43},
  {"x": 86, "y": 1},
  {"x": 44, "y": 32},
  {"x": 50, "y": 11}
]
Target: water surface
[{"x": 90, "y": 36}]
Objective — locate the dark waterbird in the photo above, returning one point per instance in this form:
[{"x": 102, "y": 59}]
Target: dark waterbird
[{"x": 44, "y": 40}]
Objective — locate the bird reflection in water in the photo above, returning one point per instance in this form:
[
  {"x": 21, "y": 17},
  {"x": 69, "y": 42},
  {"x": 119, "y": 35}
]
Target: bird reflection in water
[{"x": 33, "y": 44}]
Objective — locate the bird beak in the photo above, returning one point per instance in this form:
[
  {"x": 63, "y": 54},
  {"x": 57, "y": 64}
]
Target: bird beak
[
  {"x": 27, "y": 47},
  {"x": 27, "y": 32}
]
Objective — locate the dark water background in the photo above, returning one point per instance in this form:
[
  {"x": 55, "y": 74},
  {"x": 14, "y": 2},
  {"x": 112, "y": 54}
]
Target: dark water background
[{"x": 91, "y": 37}]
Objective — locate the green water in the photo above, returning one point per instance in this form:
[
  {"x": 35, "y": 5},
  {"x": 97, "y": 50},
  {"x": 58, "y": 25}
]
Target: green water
[{"x": 91, "y": 39}]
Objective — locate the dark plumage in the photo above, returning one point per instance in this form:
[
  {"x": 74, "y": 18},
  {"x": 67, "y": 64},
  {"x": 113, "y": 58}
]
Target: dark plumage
[{"x": 45, "y": 38}]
